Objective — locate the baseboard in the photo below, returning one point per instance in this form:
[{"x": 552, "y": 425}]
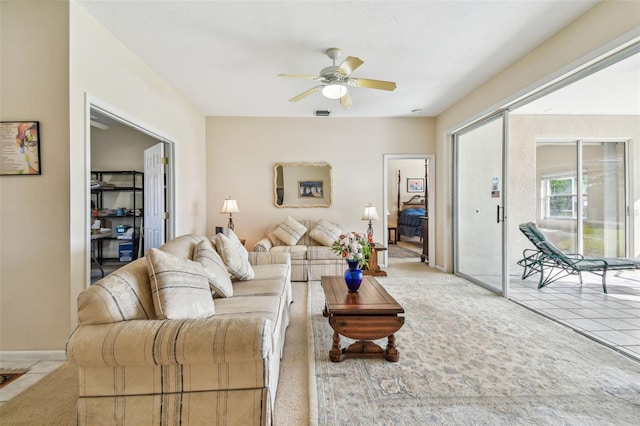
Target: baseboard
[{"x": 33, "y": 355}]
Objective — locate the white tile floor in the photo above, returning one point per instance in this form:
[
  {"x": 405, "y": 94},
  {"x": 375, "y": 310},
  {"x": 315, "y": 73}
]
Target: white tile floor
[
  {"x": 37, "y": 370},
  {"x": 612, "y": 319}
]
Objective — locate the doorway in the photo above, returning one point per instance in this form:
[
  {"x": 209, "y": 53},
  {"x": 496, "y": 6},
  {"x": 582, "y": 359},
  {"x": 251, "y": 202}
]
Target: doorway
[
  {"x": 413, "y": 168},
  {"x": 119, "y": 196}
]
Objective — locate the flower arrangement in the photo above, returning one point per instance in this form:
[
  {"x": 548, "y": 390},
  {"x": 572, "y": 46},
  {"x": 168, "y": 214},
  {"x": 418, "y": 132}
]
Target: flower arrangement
[{"x": 353, "y": 246}]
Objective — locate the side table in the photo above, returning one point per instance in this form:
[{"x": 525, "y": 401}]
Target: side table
[
  {"x": 393, "y": 229},
  {"x": 374, "y": 268}
]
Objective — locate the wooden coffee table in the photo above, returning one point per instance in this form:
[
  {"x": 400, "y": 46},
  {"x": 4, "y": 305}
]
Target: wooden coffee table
[{"x": 364, "y": 316}]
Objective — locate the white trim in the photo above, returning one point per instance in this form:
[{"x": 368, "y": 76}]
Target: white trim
[{"x": 44, "y": 355}]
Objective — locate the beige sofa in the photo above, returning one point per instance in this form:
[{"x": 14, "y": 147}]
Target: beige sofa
[
  {"x": 310, "y": 259},
  {"x": 223, "y": 369}
]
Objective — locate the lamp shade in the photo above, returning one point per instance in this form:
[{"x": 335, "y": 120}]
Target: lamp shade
[
  {"x": 370, "y": 213},
  {"x": 230, "y": 206},
  {"x": 334, "y": 91}
]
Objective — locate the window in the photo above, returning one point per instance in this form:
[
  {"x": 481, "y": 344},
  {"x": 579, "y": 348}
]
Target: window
[{"x": 559, "y": 196}]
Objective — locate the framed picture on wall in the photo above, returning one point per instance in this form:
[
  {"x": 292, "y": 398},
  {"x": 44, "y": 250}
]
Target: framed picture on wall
[
  {"x": 415, "y": 184},
  {"x": 19, "y": 148},
  {"x": 310, "y": 189}
]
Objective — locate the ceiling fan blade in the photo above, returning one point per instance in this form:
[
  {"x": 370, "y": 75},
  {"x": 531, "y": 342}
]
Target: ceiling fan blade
[
  {"x": 349, "y": 65},
  {"x": 372, "y": 84},
  {"x": 305, "y": 94},
  {"x": 308, "y": 77},
  {"x": 346, "y": 102}
]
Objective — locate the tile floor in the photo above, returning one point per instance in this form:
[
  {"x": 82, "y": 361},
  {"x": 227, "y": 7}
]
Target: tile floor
[
  {"x": 612, "y": 319},
  {"x": 37, "y": 370}
]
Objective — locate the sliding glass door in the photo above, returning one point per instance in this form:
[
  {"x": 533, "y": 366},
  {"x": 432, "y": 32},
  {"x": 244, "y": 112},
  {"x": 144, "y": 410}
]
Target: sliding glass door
[
  {"x": 582, "y": 199},
  {"x": 479, "y": 204}
]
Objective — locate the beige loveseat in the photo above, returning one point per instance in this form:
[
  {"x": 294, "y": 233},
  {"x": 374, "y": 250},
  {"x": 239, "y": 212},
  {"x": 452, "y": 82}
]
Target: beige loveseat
[
  {"x": 223, "y": 369},
  {"x": 311, "y": 254}
]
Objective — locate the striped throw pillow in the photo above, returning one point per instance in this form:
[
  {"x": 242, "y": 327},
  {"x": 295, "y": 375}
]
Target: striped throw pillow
[
  {"x": 179, "y": 287},
  {"x": 290, "y": 231},
  {"x": 325, "y": 232},
  {"x": 214, "y": 268}
]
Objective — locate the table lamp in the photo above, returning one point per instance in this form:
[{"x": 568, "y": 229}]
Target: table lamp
[
  {"x": 370, "y": 214},
  {"x": 230, "y": 206}
]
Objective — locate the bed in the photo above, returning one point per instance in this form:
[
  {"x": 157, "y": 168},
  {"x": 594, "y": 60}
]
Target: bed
[{"x": 410, "y": 217}]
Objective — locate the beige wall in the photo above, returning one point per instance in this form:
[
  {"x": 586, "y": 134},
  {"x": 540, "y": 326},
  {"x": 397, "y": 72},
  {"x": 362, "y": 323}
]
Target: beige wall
[
  {"x": 605, "y": 26},
  {"x": 34, "y": 210},
  {"x": 103, "y": 69},
  {"x": 241, "y": 153},
  {"x": 65, "y": 56}
]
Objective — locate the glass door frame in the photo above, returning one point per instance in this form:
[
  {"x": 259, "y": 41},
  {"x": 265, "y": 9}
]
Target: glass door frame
[
  {"x": 455, "y": 136},
  {"x": 579, "y": 143}
]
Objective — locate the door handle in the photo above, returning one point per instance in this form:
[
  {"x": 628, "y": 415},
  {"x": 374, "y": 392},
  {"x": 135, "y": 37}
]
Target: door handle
[{"x": 499, "y": 218}]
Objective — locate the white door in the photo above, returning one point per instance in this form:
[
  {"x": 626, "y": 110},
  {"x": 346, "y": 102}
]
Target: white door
[{"x": 154, "y": 197}]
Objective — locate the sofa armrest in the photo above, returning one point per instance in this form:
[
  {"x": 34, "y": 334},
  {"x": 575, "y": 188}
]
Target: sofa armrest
[
  {"x": 269, "y": 258},
  {"x": 213, "y": 340},
  {"x": 263, "y": 245}
]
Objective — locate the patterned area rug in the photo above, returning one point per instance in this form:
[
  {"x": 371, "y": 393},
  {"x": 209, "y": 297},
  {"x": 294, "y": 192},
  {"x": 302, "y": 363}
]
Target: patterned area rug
[
  {"x": 468, "y": 356},
  {"x": 400, "y": 252}
]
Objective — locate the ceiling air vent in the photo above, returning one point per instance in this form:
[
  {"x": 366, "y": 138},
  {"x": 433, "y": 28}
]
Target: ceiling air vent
[{"x": 322, "y": 113}]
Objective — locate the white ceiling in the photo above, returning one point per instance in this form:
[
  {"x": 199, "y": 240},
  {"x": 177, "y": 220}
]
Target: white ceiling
[{"x": 225, "y": 56}]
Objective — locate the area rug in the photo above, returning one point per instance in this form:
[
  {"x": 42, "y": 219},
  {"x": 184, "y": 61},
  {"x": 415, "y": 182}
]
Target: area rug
[
  {"x": 468, "y": 356},
  {"x": 396, "y": 251}
]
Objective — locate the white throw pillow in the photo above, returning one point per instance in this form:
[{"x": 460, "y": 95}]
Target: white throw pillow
[
  {"x": 214, "y": 268},
  {"x": 290, "y": 231},
  {"x": 325, "y": 232},
  {"x": 179, "y": 287},
  {"x": 234, "y": 255}
]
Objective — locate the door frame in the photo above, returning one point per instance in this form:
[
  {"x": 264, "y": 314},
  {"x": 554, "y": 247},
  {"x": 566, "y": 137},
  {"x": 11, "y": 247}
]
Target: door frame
[
  {"x": 504, "y": 114},
  {"x": 94, "y": 103},
  {"x": 430, "y": 201}
]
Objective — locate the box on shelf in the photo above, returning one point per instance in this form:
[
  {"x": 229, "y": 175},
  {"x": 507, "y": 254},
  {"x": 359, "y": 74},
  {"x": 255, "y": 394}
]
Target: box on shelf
[
  {"x": 122, "y": 229},
  {"x": 125, "y": 252}
]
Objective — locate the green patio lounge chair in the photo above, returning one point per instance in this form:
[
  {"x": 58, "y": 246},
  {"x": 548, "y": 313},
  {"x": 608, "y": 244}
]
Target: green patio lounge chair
[{"x": 552, "y": 264}]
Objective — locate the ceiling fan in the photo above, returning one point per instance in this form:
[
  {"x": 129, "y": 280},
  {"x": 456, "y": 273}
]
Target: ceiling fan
[{"x": 335, "y": 79}]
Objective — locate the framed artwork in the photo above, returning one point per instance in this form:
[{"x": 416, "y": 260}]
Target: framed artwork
[
  {"x": 415, "y": 184},
  {"x": 310, "y": 189},
  {"x": 20, "y": 148}
]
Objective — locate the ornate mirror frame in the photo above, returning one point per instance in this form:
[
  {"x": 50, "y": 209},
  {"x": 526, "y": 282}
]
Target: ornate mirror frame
[{"x": 302, "y": 185}]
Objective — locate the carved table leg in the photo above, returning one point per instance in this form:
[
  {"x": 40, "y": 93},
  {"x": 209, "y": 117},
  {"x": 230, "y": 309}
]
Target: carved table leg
[
  {"x": 391, "y": 353},
  {"x": 335, "y": 354}
]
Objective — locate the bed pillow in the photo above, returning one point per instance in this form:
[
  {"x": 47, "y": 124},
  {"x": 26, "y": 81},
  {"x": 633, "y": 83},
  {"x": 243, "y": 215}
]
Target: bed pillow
[
  {"x": 214, "y": 268},
  {"x": 234, "y": 255},
  {"x": 325, "y": 232},
  {"x": 290, "y": 231},
  {"x": 179, "y": 287}
]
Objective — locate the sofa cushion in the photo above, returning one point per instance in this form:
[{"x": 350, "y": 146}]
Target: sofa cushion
[
  {"x": 323, "y": 253},
  {"x": 296, "y": 252},
  {"x": 214, "y": 267},
  {"x": 325, "y": 232},
  {"x": 234, "y": 255},
  {"x": 290, "y": 231},
  {"x": 179, "y": 287}
]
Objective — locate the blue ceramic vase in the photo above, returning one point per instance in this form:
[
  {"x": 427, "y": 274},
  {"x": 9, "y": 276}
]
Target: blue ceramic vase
[{"x": 353, "y": 276}]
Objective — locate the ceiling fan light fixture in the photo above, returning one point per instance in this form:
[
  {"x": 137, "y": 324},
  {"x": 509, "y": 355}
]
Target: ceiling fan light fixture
[{"x": 334, "y": 91}]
